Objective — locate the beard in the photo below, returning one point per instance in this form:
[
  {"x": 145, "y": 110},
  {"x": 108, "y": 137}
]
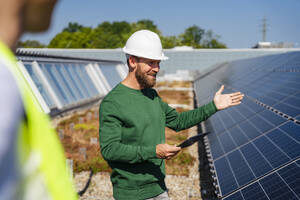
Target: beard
[{"x": 144, "y": 80}]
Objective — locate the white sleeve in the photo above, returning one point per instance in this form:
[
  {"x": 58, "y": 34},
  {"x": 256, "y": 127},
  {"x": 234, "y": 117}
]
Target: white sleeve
[{"x": 11, "y": 114}]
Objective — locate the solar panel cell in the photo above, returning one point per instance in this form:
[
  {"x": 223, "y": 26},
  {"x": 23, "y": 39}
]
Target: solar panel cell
[
  {"x": 235, "y": 196},
  {"x": 245, "y": 111},
  {"x": 291, "y": 175},
  {"x": 216, "y": 148},
  {"x": 287, "y": 144},
  {"x": 238, "y": 135},
  {"x": 240, "y": 168},
  {"x": 257, "y": 162},
  {"x": 235, "y": 115},
  {"x": 261, "y": 124},
  {"x": 287, "y": 109},
  {"x": 270, "y": 116},
  {"x": 273, "y": 154},
  {"x": 292, "y": 129},
  {"x": 254, "y": 191},
  {"x": 227, "y": 181},
  {"x": 227, "y": 142},
  {"x": 276, "y": 189},
  {"x": 293, "y": 101},
  {"x": 250, "y": 131}
]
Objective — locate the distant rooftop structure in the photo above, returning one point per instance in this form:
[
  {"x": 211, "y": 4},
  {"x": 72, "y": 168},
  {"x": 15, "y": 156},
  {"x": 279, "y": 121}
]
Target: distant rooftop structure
[
  {"x": 261, "y": 45},
  {"x": 182, "y": 48},
  {"x": 181, "y": 58}
]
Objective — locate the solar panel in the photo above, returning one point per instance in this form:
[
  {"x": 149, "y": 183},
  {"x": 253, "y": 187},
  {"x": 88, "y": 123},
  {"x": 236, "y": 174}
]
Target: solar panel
[
  {"x": 110, "y": 70},
  {"x": 255, "y": 147},
  {"x": 61, "y": 83}
]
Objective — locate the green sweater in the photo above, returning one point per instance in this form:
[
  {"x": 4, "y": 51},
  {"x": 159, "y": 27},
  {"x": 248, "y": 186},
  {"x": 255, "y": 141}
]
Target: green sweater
[{"x": 132, "y": 123}]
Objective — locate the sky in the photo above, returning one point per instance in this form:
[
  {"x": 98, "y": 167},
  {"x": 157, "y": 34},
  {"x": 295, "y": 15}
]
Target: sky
[{"x": 238, "y": 22}]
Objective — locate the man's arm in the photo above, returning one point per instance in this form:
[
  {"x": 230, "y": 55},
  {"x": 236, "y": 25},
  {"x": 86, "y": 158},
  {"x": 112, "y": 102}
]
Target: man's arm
[
  {"x": 110, "y": 138},
  {"x": 179, "y": 121},
  {"x": 184, "y": 120}
]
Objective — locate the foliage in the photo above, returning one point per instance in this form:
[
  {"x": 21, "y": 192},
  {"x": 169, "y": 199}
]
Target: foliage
[
  {"x": 211, "y": 40},
  {"x": 30, "y": 44},
  {"x": 110, "y": 35},
  {"x": 85, "y": 127},
  {"x": 192, "y": 36},
  {"x": 73, "y": 27}
]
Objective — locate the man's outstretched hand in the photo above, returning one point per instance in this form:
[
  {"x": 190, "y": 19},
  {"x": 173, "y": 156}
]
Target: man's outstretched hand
[
  {"x": 223, "y": 101},
  {"x": 166, "y": 151}
]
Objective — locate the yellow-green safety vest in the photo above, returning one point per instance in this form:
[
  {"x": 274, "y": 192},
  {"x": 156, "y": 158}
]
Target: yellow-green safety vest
[{"x": 40, "y": 155}]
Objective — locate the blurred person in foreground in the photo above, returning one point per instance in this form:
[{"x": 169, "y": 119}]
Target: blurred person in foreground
[
  {"x": 133, "y": 119},
  {"x": 32, "y": 162}
]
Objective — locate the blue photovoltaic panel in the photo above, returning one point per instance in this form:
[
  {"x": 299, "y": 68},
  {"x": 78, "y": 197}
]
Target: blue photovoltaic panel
[
  {"x": 282, "y": 184},
  {"x": 285, "y": 142},
  {"x": 52, "y": 77},
  {"x": 291, "y": 177},
  {"x": 255, "y": 147},
  {"x": 276, "y": 188},
  {"x": 226, "y": 178},
  {"x": 40, "y": 86},
  {"x": 272, "y": 153},
  {"x": 241, "y": 170},
  {"x": 238, "y": 135},
  {"x": 254, "y": 191},
  {"x": 65, "y": 83},
  {"x": 110, "y": 71},
  {"x": 235, "y": 196},
  {"x": 256, "y": 160}
]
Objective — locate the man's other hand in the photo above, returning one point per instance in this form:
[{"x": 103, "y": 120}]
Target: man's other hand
[
  {"x": 166, "y": 151},
  {"x": 223, "y": 101}
]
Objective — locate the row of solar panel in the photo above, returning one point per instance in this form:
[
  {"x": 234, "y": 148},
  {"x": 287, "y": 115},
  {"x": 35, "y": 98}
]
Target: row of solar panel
[
  {"x": 196, "y": 59},
  {"x": 281, "y": 184},
  {"x": 255, "y": 138},
  {"x": 259, "y": 157},
  {"x": 58, "y": 84}
]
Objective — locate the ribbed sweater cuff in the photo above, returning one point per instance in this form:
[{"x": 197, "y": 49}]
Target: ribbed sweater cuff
[
  {"x": 212, "y": 109},
  {"x": 149, "y": 152}
]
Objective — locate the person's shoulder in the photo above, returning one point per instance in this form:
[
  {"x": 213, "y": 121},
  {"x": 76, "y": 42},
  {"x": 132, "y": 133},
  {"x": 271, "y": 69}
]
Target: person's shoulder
[{"x": 113, "y": 95}]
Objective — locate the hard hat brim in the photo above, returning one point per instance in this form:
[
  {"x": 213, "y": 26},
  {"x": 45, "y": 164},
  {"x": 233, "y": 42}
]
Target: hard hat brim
[{"x": 162, "y": 57}]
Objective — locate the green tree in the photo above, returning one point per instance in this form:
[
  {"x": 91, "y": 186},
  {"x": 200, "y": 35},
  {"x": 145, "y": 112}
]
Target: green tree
[
  {"x": 111, "y": 35},
  {"x": 169, "y": 42},
  {"x": 79, "y": 39},
  {"x": 73, "y": 27},
  {"x": 115, "y": 34},
  {"x": 145, "y": 24},
  {"x": 211, "y": 40},
  {"x": 192, "y": 36},
  {"x": 30, "y": 44}
]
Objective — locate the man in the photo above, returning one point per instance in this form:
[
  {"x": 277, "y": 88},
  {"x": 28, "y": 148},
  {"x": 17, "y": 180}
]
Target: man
[
  {"x": 133, "y": 119},
  {"x": 32, "y": 163}
]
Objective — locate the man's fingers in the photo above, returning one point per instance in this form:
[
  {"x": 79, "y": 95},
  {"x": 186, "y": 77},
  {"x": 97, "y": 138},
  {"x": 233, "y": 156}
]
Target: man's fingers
[
  {"x": 237, "y": 98},
  {"x": 171, "y": 155},
  {"x": 174, "y": 149},
  {"x": 235, "y": 94},
  {"x": 236, "y": 103},
  {"x": 166, "y": 151},
  {"x": 220, "y": 90}
]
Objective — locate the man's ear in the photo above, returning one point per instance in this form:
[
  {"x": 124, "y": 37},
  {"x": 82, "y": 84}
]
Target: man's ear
[{"x": 132, "y": 64}]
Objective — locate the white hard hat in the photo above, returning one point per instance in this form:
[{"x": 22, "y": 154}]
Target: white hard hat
[{"x": 145, "y": 44}]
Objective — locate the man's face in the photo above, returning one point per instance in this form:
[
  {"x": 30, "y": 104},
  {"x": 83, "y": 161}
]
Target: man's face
[
  {"x": 146, "y": 72},
  {"x": 37, "y": 15}
]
